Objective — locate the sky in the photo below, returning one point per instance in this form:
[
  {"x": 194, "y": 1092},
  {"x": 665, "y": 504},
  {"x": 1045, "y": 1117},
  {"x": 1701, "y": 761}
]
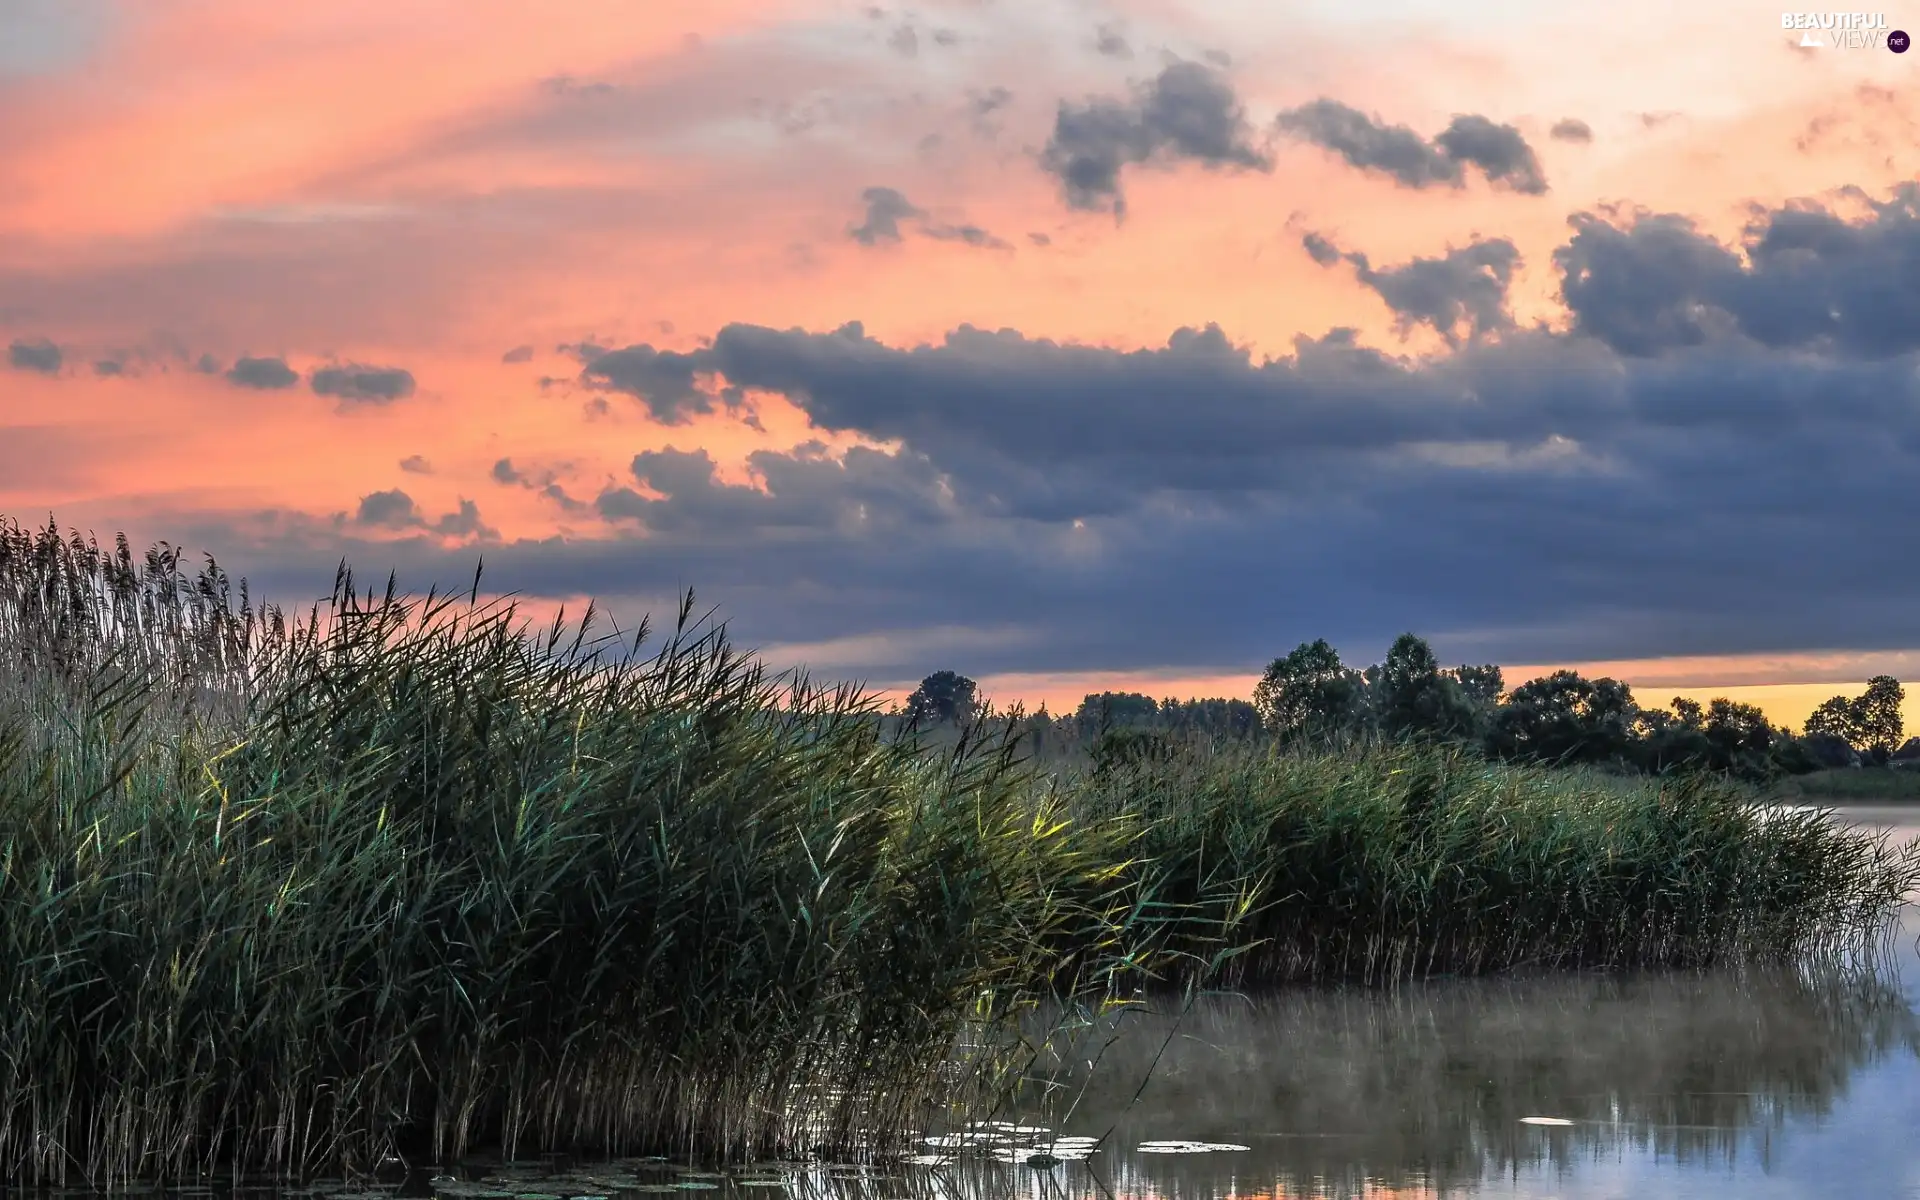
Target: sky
[{"x": 1070, "y": 344}]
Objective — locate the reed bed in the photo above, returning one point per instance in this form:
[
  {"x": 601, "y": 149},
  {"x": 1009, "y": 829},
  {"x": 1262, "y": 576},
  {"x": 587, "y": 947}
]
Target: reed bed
[
  {"x": 1390, "y": 862},
  {"x": 407, "y": 876}
]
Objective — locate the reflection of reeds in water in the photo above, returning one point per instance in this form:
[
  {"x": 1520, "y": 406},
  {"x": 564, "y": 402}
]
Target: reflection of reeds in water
[{"x": 1427, "y": 1084}]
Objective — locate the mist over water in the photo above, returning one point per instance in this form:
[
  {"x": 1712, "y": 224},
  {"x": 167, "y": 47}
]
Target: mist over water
[{"x": 1775, "y": 1082}]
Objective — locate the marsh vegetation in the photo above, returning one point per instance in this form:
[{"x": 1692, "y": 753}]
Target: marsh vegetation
[{"x": 408, "y": 875}]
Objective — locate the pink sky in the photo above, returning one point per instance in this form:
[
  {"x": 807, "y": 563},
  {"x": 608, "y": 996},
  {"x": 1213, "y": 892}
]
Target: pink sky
[{"x": 430, "y": 184}]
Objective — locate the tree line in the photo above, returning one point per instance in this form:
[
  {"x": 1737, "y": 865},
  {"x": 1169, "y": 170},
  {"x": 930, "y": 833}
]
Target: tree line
[{"x": 1310, "y": 695}]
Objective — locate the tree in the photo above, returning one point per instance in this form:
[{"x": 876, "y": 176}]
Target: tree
[
  {"x": 1691, "y": 715},
  {"x": 1833, "y": 719},
  {"x": 1566, "y": 717},
  {"x": 943, "y": 696},
  {"x": 1877, "y": 717},
  {"x": 1737, "y": 729},
  {"x": 1869, "y": 722},
  {"x": 1099, "y": 712},
  {"x": 1414, "y": 698},
  {"x": 1310, "y": 693},
  {"x": 1483, "y": 684},
  {"x": 1664, "y": 740},
  {"x": 1213, "y": 717}
]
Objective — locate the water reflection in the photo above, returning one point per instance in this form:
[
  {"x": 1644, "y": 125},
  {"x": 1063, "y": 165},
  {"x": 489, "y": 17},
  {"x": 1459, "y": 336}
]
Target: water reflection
[{"x": 1434, "y": 1086}]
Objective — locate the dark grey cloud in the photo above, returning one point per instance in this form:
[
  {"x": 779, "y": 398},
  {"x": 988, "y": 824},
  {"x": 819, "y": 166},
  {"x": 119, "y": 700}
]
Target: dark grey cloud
[
  {"x": 1498, "y": 151},
  {"x": 544, "y": 481},
  {"x": 362, "y": 384},
  {"x": 1046, "y": 506},
  {"x": 904, "y": 41},
  {"x": 415, "y": 464},
  {"x": 107, "y": 368},
  {"x": 888, "y": 207},
  {"x": 35, "y": 354},
  {"x": 663, "y": 380},
  {"x": 518, "y": 354},
  {"x": 1803, "y": 278},
  {"x": 1461, "y": 294},
  {"x": 266, "y": 374},
  {"x": 207, "y": 364},
  {"x": 1189, "y": 112},
  {"x": 464, "y": 522},
  {"x": 1371, "y": 145},
  {"x": 946, "y": 37},
  {"x": 395, "y": 510},
  {"x": 863, "y": 493},
  {"x": 1320, "y": 249},
  {"x": 1571, "y": 129},
  {"x": 390, "y": 509}
]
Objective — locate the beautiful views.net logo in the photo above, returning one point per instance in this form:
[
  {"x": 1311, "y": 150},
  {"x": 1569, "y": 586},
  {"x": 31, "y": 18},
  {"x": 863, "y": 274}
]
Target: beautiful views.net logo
[{"x": 1846, "y": 30}]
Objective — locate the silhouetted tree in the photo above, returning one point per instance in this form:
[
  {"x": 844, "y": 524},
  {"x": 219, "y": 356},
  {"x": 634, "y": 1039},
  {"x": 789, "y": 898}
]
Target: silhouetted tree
[
  {"x": 1484, "y": 685},
  {"x": 1736, "y": 729},
  {"x": 1216, "y": 718},
  {"x": 1565, "y": 717},
  {"x": 1877, "y": 717},
  {"x": 1413, "y": 697},
  {"x": 1310, "y": 693},
  {"x": 1099, "y": 712},
  {"x": 1667, "y": 740},
  {"x": 942, "y": 696},
  {"x": 1869, "y": 722}
]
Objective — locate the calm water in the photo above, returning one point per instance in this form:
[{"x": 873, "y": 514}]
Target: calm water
[
  {"x": 1768, "y": 1084},
  {"x": 1755, "y": 1084}
]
